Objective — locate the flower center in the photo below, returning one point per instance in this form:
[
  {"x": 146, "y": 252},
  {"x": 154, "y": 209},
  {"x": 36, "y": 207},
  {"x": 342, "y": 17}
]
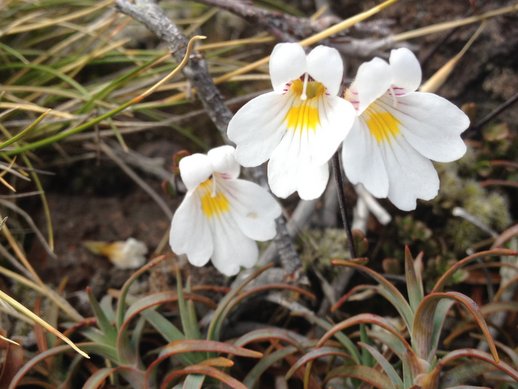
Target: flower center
[
  {"x": 307, "y": 89},
  {"x": 213, "y": 203},
  {"x": 383, "y": 126},
  {"x": 303, "y": 116}
]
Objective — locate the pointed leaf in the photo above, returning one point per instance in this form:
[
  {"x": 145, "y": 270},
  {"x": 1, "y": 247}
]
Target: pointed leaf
[
  {"x": 97, "y": 379},
  {"x": 224, "y": 305},
  {"x": 202, "y": 370},
  {"x": 269, "y": 334},
  {"x": 387, "y": 290},
  {"x": 425, "y": 313},
  {"x": 167, "y": 329},
  {"x": 103, "y": 322},
  {"x": 12, "y": 361},
  {"x": 265, "y": 363},
  {"x": 193, "y": 381},
  {"x": 199, "y": 345},
  {"x": 189, "y": 324},
  {"x": 121, "y": 305},
  {"x": 385, "y": 365},
  {"x": 474, "y": 354},
  {"x": 413, "y": 280},
  {"x": 446, "y": 276},
  {"x": 363, "y": 318},
  {"x": 320, "y": 352},
  {"x": 363, "y": 373}
]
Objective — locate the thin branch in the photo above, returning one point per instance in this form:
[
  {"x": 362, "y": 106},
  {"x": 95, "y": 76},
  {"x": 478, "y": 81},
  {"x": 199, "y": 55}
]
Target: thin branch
[
  {"x": 335, "y": 161},
  {"x": 497, "y": 111}
]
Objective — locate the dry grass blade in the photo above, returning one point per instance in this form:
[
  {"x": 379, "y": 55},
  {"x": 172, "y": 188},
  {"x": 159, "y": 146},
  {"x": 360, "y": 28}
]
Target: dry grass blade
[
  {"x": 339, "y": 27},
  {"x": 52, "y": 22},
  {"x": 3, "y": 338},
  {"x": 440, "y": 76},
  {"x": 27, "y": 312},
  {"x": 62, "y": 135},
  {"x": 453, "y": 24}
]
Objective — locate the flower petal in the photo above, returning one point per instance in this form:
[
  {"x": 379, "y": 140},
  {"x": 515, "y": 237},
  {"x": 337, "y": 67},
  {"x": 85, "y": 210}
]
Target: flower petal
[
  {"x": 232, "y": 248},
  {"x": 431, "y": 124},
  {"x": 372, "y": 81},
  {"x": 253, "y": 208},
  {"x": 257, "y": 128},
  {"x": 325, "y": 65},
  {"x": 287, "y": 63},
  {"x": 336, "y": 119},
  {"x": 223, "y": 161},
  {"x": 363, "y": 162},
  {"x": 312, "y": 181},
  {"x": 283, "y": 167},
  {"x": 195, "y": 169},
  {"x": 289, "y": 169},
  {"x": 411, "y": 176},
  {"x": 190, "y": 232},
  {"x": 406, "y": 70}
]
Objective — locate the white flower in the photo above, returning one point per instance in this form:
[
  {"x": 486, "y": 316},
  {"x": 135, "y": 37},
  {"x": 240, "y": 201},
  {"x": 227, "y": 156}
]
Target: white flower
[
  {"x": 299, "y": 125},
  {"x": 128, "y": 254},
  {"x": 221, "y": 216},
  {"x": 399, "y": 130}
]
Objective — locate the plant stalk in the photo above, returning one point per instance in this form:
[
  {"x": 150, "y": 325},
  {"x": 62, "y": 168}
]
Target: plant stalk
[{"x": 335, "y": 161}]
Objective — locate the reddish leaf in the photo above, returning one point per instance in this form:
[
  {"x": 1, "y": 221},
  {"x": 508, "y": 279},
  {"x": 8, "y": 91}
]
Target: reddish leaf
[
  {"x": 12, "y": 362},
  {"x": 267, "y": 335},
  {"x": 442, "y": 281},
  {"x": 387, "y": 290},
  {"x": 425, "y": 334},
  {"x": 474, "y": 354},
  {"x": 316, "y": 353},
  {"x": 197, "y": 345},
  {"x": 203, "y": 370},
  {"x": 366, "y": 374},
  {"x": 414, "y": 283}
]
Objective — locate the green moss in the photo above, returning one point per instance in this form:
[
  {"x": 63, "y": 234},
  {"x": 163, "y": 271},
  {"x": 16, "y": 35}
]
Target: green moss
[{"x": 318, "y": 247}]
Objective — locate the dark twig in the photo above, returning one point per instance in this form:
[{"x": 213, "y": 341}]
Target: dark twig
[
  {"x": 497, "y": 111},
  {"x": 342, "y": 202},
  {"x": 153, "y": 17},
  {"x": 288, "y": 26}
]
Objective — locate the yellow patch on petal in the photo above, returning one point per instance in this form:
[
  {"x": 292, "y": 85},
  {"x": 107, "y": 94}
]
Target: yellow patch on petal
[
  {"x": 213, "y": 203},
  {"x": 383, "y": 125},
  {"x": 303, "y": 116}
]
